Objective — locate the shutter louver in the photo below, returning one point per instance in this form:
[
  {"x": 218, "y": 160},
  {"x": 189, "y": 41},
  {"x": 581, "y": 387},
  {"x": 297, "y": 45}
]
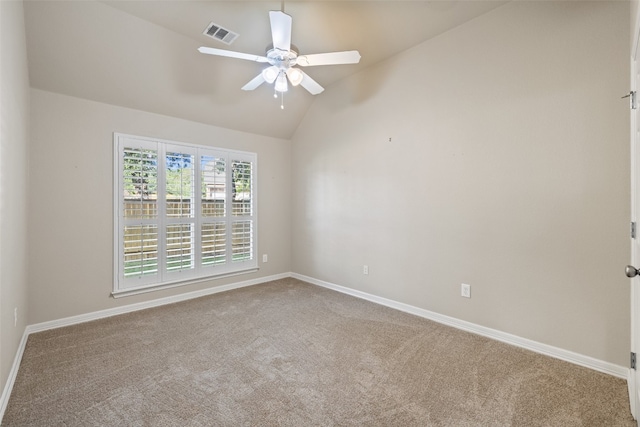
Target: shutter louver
[
  {"x": 241, "y": 188},
  {"x": 139, "y": 207},
  {"x": 180, "y": 191},
  {"x": 213, "y": 184},
  {"x": 140, "y": 250},
  {"x": 180, "y": 244},
  {"x": 241, "y": 240},
  {"x": 214, "y": 243}
]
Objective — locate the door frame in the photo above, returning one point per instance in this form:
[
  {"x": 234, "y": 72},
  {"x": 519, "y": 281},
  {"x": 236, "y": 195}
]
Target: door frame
[{"x": 633, "y": 381}]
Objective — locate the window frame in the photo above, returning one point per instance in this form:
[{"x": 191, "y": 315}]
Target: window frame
[{"x": 163, "y": 278}]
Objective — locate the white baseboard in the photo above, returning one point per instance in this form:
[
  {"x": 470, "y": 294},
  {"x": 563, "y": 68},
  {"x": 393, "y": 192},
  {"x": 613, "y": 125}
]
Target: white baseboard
[
  {"x": 13, "y": 373},
  {"x": 74, "y": 320},
  {"x": 558, "y": 353},
  {"x": 547, "y": 350}
]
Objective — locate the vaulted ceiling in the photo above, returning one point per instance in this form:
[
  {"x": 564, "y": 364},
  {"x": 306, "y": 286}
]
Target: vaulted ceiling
[{"x": 143, "y": 54}]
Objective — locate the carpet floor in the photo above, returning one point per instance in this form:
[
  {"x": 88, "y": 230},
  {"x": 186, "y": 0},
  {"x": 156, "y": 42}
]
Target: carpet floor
[{"x": 286, "y": 353}]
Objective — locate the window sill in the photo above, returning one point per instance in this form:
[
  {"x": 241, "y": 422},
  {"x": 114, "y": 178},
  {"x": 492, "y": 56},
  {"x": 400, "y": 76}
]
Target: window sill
[{"x": 153, "y": 288}]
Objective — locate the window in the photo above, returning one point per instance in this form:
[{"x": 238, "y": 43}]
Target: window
[{"x": 184, "y": 212}]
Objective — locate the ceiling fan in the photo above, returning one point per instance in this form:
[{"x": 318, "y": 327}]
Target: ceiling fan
[{"x": 283, "y": 57}]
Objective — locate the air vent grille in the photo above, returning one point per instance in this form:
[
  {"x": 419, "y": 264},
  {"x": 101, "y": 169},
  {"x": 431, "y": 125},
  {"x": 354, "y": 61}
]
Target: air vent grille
[{"x": 216, "y": 32}]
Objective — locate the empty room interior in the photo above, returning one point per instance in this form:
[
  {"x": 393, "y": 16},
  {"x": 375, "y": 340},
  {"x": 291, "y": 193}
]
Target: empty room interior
[{"x": 318, "y": 212}]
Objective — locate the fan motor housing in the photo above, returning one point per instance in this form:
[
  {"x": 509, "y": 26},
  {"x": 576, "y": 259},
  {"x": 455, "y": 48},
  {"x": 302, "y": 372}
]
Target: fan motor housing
[{"x": 282, "y": 58}]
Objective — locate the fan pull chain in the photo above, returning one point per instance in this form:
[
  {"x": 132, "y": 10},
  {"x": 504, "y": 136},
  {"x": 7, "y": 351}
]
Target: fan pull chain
[{"x": 282, "y": 101}]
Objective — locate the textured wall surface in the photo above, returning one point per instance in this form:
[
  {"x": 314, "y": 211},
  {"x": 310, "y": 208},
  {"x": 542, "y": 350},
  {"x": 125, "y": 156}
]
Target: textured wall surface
[
  {"x": 71, "y": 221},
  {"x": 14, "y": 147},
  {"x": 495, "y": 155}
]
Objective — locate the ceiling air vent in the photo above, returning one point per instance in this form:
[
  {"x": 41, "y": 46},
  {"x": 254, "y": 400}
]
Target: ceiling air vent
[{"x": 216, "y": 32}]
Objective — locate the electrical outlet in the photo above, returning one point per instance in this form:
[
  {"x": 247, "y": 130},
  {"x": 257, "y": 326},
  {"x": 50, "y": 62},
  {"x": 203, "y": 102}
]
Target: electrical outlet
[
  {"x": 465, "y": 290},
  {"x": 365, "y": 269},
  {"x": 265, "y": 258}
]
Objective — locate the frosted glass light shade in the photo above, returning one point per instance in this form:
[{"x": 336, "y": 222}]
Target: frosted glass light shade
[
  {"x": 281, "y": 83},
  {"x": 270, "y": 74},
  {"x": 295, "y": 76}
]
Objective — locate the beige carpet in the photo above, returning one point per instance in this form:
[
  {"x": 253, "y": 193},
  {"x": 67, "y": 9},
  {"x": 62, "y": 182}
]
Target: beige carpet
[{"x": 287, "y": 353}]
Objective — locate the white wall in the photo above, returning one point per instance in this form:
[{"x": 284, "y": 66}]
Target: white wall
[
  {"x": 71, "y": 224},
  {"x": 507, "y": 169},
  {"x": 14, "y": 143},
  {"x": 634, "y": 9}
]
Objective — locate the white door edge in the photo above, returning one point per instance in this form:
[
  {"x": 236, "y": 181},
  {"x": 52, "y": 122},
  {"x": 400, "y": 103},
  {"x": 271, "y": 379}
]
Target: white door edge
[{"x": 633, "y": 380}]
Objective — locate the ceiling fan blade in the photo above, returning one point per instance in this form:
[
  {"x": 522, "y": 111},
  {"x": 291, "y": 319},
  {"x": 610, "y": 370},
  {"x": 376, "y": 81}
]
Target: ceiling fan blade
[
  {"x": 331, "y": 58},
  {"x": 257, "y": 81},
  {"x": 311, "y": 85},
  {"x": 280, "y": 30},
  {"x": 232, "y": 54}
]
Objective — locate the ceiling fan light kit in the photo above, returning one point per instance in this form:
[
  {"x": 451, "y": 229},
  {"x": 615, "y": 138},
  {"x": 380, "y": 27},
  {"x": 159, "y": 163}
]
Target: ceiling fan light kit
[
  {"x": 282, "y": 57},
  {"x": 295, "y": 76},
  {"x": 281, "y": 83},
  {"x": 270, "y": 74}
]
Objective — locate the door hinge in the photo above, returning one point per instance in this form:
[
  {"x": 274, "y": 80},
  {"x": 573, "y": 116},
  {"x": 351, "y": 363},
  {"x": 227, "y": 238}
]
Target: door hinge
[
  {"x": 633, "y": 360},
  {"x": 633, "y": 230},
  {"x": 632, "y": 99}
]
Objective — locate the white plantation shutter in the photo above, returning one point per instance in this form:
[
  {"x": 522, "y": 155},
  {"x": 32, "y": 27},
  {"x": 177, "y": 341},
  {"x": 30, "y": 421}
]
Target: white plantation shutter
[
  {"x": 180, "y": 214},
  {"x": 138, "y": 194},
  {"x": 242, "y": 210},
  {"x": 213, "y": 197},
  {"x": 242, "y": 244},
  {"x": 183, "y": 213}
]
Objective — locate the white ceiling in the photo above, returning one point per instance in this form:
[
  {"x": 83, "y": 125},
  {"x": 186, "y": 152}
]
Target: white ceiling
[{"x": 143, "y": 54}]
